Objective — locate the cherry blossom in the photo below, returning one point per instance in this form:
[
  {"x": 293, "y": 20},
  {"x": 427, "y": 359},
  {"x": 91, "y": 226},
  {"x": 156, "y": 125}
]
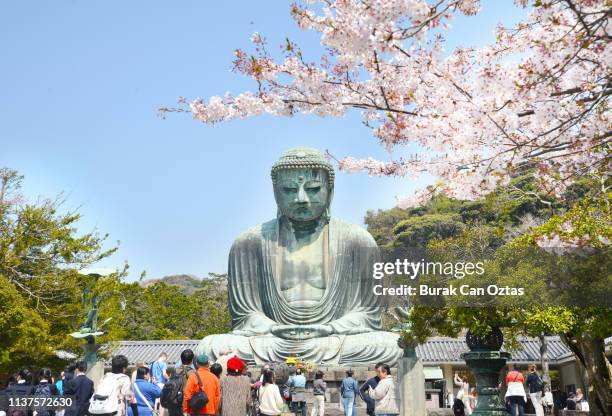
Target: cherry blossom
[{"x": 537, "y": 96}]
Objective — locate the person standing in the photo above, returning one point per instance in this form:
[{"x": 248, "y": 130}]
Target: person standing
[
  {"x": 464, "y": 392},
  {"x": 348, "y": 391},
  {"x": 202, "y": 380},
  {"x": 270, "y": 400},
  {"x": 297, "y": 387},
  {"x": 535, "y": 386},
  {"x": 139, "y": 364},
  {"x": 235, "y": 389},
  {"x": 81, "y": 388},
  {"x": 365, "y": 387},
  {"x": 217, "y": 370},
  {"x": 114, "y": 393},
  {"x": 579, "y": 399},
  {"x": 224, "y": 357},
  {"x": 384, "y": 393},
  {"x": 177, "y": 382},
  {"x": 45, "y": 389},
  {"x": 158, "y": 370},
  {"x": 515, "y": 394},
  {"x": 22, "y": 385},
  {"x": 186, "y": 368},
  {"x": 145, "y": 393},
  {"x": 548, "y": 401},
  {"x": 473, "y": 398},
  {"x": 318, "y": 390},
  {"x": 60, "y": 383}
]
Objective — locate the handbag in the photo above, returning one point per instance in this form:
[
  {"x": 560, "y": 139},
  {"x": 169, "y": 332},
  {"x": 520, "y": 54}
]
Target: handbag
[
  {"x": 144, "y": 399},
  {"x": 198, "y": 400}
]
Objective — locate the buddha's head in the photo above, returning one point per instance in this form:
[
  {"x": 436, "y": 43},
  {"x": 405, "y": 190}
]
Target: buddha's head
[{"x": 303, "y": 182}]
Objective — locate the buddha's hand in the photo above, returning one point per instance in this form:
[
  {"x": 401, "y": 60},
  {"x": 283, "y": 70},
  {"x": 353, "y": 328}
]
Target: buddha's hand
[{"x": 297, "y": 332}]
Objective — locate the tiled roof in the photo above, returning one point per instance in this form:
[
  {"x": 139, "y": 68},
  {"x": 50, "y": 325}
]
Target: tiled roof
[
  {"x": 148, "y": 351},
  {"x": 448, "y": 350},
  {"x": 436, "y": 350}
]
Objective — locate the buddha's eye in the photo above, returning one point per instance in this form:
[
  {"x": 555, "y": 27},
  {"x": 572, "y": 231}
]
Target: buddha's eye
[
  {"x": 290, "y": 189},
  {"x": 313, "y": 188}
]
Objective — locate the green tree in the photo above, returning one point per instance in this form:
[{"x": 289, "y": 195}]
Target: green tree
[
  {"x": 41, "y": 253},
  {"x": 566, "y": 294}
]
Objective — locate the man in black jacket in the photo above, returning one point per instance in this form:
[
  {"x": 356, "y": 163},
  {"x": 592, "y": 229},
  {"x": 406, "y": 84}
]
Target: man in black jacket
[
  {"x": 363, "y": 391},
  {"x": 80, "y": 388}
]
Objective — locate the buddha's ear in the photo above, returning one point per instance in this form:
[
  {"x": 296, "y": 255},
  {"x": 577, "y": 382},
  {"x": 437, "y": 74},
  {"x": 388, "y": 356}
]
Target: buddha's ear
[
  {"x": 330, "y": 197},
  {"x": 275, "y": 190}
]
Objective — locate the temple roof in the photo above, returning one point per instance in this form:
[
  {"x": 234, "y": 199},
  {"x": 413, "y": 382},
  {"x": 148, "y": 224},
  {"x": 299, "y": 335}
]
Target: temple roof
[{"x": 436, "y": 351}]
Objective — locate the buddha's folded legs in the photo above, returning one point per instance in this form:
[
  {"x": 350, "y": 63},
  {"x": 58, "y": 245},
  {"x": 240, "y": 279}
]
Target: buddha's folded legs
[{"x": 347, "y": 350}]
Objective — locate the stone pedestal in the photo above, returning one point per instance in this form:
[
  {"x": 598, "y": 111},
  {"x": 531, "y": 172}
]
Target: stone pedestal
[{"x": 411, "y": 386}]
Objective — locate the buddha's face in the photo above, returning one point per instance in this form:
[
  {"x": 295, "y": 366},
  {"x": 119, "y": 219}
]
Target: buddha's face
[{"x": 302, "y": 194}]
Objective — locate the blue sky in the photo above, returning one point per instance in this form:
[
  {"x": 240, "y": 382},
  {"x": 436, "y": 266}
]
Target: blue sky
[{"x": 80, "y": 84}]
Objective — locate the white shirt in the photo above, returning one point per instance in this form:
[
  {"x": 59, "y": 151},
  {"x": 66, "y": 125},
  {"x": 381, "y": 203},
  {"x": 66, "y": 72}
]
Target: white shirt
[
  {"x": 384, "y": 396},
  {"x": 515, "y": 388},
  {"x": 270, "y": 400}
]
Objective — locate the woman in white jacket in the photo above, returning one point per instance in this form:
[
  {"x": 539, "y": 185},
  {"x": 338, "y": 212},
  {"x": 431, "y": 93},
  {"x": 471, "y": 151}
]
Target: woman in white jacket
[
  {"x": 270, "y": 400},
  {"x": 385, "y": 399}
]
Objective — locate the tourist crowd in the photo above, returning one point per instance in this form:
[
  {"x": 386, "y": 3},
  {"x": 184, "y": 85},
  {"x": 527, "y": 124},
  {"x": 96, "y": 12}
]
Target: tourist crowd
[{"x": 194, "y": 386}]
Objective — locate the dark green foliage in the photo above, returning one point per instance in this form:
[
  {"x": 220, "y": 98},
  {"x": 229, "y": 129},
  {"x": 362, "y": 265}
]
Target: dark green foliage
[{"x": 417, "y": 231}]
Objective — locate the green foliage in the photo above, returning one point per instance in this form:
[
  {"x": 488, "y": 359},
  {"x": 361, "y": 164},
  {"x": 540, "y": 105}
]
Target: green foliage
[
  {"x": 20, "y": 326},
  {"x": 43, "y": 293},
  {"x": 163, "y": 311},
  {"x": 561, "y": 291},
  {"x": 418, "y": 231},
  {"x": 40, "y": 255}
]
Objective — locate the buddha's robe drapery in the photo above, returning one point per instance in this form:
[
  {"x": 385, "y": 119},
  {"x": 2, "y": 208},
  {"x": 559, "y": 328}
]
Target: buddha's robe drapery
[{"x": 348, "y": 304}]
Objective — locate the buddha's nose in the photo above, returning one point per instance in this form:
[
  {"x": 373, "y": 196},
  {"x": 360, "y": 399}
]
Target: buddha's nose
[{"x": 302, "y": 196}]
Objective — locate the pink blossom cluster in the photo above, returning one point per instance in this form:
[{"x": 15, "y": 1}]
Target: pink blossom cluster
[
  {"x": 556, "y": 244},
  {"x": 537, "y": 96}
]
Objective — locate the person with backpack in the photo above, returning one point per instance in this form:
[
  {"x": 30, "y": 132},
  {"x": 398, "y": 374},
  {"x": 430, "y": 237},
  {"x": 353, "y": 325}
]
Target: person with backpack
[
  {"x": 114, "y": 394},
  {"x": 235, "y": 389},
  {"x": 515, "y": 394},
  {"x": 171, "y": 396},
  {"x": 348, "y": 391},
  {"x": 536, "y": 386},
  {"x": 202, "y": 391},
  {"x": 145, "y": 393},
  {"x": 172, "y": 393},
  {"x": 45, "y": 389}
]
